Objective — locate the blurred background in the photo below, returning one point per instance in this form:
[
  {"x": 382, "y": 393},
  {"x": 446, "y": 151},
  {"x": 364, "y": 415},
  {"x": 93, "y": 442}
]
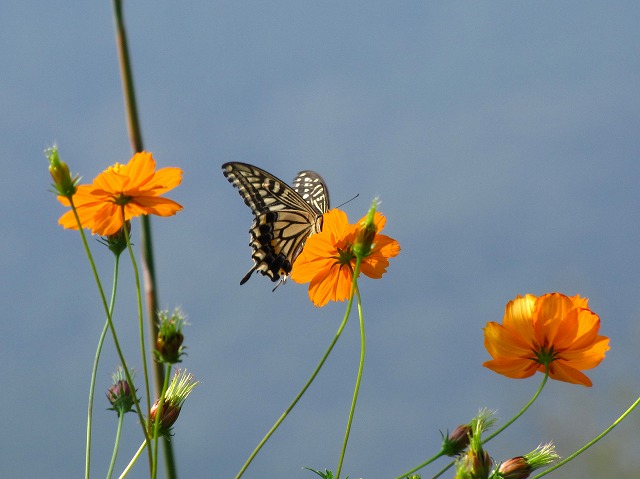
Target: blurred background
[{"x": 502, "y": 138}]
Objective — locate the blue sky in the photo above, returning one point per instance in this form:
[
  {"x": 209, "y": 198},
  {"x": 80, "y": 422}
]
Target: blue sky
[{"x": 502, "y": 138}]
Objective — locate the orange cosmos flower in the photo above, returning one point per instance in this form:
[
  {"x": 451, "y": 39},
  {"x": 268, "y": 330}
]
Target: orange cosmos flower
[
  {"x": 136, "y": 187},
  {"x": 553, "y": 331},
  {"x": 327, "y": 260}
]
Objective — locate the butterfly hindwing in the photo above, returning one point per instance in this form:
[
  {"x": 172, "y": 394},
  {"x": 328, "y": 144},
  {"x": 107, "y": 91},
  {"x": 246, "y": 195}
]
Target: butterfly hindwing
[{"x": 284, "y": 217}]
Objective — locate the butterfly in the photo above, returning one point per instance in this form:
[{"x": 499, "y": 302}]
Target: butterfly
[{"x": 284, "y": 216}]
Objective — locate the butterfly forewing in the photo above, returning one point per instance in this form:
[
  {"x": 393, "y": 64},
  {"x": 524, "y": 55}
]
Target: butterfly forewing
[
  {"x": 284, "y": 217},
  {"x": 312, "y": 188}
]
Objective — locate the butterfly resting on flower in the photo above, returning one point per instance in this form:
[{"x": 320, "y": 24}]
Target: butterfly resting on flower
[{"x": 284, "y": 216}]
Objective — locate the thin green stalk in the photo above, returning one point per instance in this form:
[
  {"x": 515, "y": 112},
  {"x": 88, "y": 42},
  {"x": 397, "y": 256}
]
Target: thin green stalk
[
  {"x": 442, "y": 471},
  {"x": 302, "y": 391},
  {"x": 590, "y": 443},
  {"x": 143, "y": 351},
  {"x": 424, "y": 464},
  {"x": 156, "y": 424},
  {"x": 148, "y": 265},
  {"x": 133, "y": 460},
  {"x": 116, "y": 445},
  {"x": 94, "y": 371},
  {"x": 522, "y": 411},
  {"x": 506, "y": 425},
  {"x": 103, "y": 299},
  {"x": 354, "y": 289}
]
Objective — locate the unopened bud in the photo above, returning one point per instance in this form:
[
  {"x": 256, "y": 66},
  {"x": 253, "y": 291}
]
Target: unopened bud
[
  {"x": 120, "y": 395},
  {"x": 168, "y": 417},
  {"x": 366, "y": 233},
  {"x": 117, "y": 242},
  {"x": 179, "y": 389},
  {"x": 63, "y": 183},
  {"x": 456, "y": 442},
  {"x": 515, "y": 468},
  {"x": 169, "y": 347}
]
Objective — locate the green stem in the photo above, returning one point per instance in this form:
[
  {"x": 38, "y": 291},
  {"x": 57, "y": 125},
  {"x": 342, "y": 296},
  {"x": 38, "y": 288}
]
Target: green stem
[
  {"x": 143, "y": 351},
  {"x": 94, "y": 371},
  {"x": 116, "y": 445},
  {"x": 590, "y": 443},
  {"x": 354, "y": 289},
  {"x": 108, "y": 314},
  {"x": 133, "y": 460},
  {"x": 506, "y": 425},
  {"x": 522, "y": 411},
  {"x": 157, "y": 422},
  {"x": 424, "y": 464},
  {"x": 148, "y": 265},
  {"x": 302, "y": 391},
  {"x": 442, "y": 471}
]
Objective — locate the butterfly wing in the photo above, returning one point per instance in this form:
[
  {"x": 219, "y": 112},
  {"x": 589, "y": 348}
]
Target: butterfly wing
[
  {"x": 283, "y": 217},
  {"x": 312, "y": 188}
]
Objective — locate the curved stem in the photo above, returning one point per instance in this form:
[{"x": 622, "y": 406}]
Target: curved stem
[
  {"x": 108, "y": 314},
  {"x": 441, "y": 472},
  {"x": 506, "y": 425},
  {"x": 115, "y": 445},
  {"x": 354, "y": 289},
  {"x": 522, "y": 411},
  {"x": 424, "y": 464},
  {"x": 143, "y": 351},
  {"x": 302, "y": 391},
  {"x": 94, "y": 370},
  {"x": 133, "y": 460},
  {"x": 590, "y": 443}
]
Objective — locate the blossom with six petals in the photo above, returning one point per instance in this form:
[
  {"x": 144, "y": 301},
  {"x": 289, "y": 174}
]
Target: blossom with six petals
[
  {"x": 135, "y": 187},
  {"x": 554, "y": 331},
  {"x": 327, "y": 260}
]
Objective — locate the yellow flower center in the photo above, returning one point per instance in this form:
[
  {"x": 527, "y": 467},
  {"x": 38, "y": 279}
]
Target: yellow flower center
[{"x": 114, "y": 168}]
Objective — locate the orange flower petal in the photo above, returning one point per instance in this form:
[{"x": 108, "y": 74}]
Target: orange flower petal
[
  {"x": 155, "y": 205},
  {"x": 516, "y": 369},
  {"x": 333, "y": 285},
  {"x": 136, "y": 185},
  {"x": 561, "y": 371},
  {"x": 518, "y": 314},
  {"x": 166, "y": 179},
  {"x": 553, "y": 330},
  {"x": 503, "y": 342},
  {"x": 327, "y": 262}
]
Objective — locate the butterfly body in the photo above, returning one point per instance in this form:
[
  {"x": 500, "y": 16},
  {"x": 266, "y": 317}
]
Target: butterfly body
[{"x": 284, "y": 216}]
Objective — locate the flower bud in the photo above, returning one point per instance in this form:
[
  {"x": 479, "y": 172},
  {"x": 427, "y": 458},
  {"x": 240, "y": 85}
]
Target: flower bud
[
  {"x": 481, "y": 463},
  {"x": 120, "y": 395},
  {"x": 63, "y": 183},
  {"x": 117, "y": 242},
  {"x": 169, "y": 340},
  {"x": 475, "y": 464},
  {"x": 179, "y": 389},
  {"x": 456, "y": 442},
  {"x": 168, "y": 417},
  {"x": 522, "y": 466},
  {"x": 515, "y": 468},
  {"x": 366, "y": 233}
]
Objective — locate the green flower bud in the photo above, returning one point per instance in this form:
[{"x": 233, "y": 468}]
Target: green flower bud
[{"x": 63, "y": 183}]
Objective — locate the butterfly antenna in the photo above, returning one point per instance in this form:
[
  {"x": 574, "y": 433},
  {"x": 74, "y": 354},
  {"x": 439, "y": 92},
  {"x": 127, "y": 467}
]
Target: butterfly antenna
[{"x": 348, "y": 201}]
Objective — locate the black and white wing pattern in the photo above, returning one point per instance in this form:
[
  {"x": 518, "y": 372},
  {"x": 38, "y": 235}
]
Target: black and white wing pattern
[{"x": 284, "y": 217}]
